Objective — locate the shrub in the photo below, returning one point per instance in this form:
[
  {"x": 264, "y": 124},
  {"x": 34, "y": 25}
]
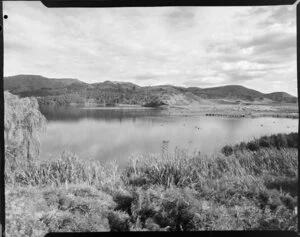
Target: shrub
[
  {"x": 23, "y": 123},
  {"x": 24, "y": 207},
  {"x": 281, "y": 219},
  {"x": 278, "y": 141},
  {"x": 227, "y": 150},
  {"x": 77, "y": 208},
  {"x": 283, "y": 183},
  {"x": 264, "y": 142},
  {"x": 170, "y": 208},
  {"x": 252, "y": 146},
  {"x": 119, "y": 221},
  {"x": 123, "y": 200}
]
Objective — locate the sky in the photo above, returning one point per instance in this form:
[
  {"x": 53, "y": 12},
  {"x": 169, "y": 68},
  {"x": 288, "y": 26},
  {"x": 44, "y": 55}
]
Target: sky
[{"x": 184, "y": 46}]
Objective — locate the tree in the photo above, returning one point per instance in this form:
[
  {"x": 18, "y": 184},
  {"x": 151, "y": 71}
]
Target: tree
[
  {"x": 154, "y": 102},
  {"x": 23, "y": 123}
]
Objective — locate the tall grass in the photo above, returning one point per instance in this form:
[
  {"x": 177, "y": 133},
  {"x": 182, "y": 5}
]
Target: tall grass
[
  {"x": 278, "y": 141},
  {"x": 247, "y": 190},
  {"x": 68, "y": 169},
  {"x": 182, "y": 170}
]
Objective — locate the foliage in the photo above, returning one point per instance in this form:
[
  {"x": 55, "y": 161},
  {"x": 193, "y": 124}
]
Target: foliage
[
  {"x": 248, "y": 189},
  {"x": 178, "y": 193},
  {"x": 227, "y": 150},
  {"x": 65, "y": 170},
  {"x": 23, "y": 123},
  {"x": 154, "y": 102},
  {"x": 278, "y": 141}
]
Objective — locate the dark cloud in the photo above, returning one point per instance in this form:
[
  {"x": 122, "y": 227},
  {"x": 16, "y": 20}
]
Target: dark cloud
[
  {"x": 276, "y": 39},
  {"x": 267, "y": 48},
  {"x": 227, "y": 52},
  {"x": 181, "y": 18},
  {"x": 265, "y": 53},
  {"x": 16, "y": 46},
  {"x": 259, "y": 10},
  {"x": 146, "y": 77},
  {"x": 181, "y": 14},
  {"x": 198, "y": 83},
  {"x": 279, "y": 45},
  {"x": 240, "y": 76},
  {"x": 281, "y": 15}
]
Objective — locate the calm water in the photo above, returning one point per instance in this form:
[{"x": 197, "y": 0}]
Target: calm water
[{"x": 111, "y": 133}]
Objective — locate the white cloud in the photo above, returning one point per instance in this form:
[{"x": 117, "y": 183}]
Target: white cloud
[{"x": 203, "y": 46}]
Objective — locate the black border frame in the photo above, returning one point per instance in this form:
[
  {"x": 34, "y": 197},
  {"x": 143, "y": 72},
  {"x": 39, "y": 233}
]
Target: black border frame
[
  {"x": 140, "y": 3},
  {"x": 157, "y": 3}
]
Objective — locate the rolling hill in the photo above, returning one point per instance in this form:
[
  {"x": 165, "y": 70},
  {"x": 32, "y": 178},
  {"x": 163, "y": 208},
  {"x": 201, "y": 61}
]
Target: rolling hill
[
  {"x": 281, "y": 97},
  {"x": 66, "y": 91},
  {"x": 34, "y": 85}
]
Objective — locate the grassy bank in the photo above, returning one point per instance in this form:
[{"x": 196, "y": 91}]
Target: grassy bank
[
  {"x": 244, "y": 190},
  {"x": 238, "y": 111}
]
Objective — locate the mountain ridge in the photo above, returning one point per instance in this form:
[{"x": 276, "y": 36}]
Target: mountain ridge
[{"x": 112, "y": 92}]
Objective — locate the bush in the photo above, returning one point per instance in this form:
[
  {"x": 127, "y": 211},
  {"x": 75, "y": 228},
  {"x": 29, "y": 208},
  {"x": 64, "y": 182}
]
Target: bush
[
  {"x": 77, "y": 208},
  {"x": 24, "y": 207},
  {"x": 119, "y": 221},
  {"x": 159, "y": 208},
  {"x": 227, "y": 150},
  {"x": 281, "y": 219},
  {"x": 278, "y": 141},
  {"x": 23, "y": 123},
  {"x": 155, "y": 102},
  {"x": 252, "y": 146},
  {"x": 286, "y": 184}
]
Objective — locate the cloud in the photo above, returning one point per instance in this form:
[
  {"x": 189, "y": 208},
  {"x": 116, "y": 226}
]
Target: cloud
[
  {"x": 271, "y": 16},
  {"x": 182, "y": 46},
  {"x": 258, "y": 56},
  {"x": 271, "y": 42},
  {"x": 146, "y": 77},
  {"x": 181, "y": 18}
]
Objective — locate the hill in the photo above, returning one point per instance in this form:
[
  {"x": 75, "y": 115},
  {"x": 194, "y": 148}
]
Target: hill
[
  {"x": 231, "y": 92},
  {"x": 281, "y": 97},
  {"x": 34, "y": 85},
  {"x": 66, "y": 91}
]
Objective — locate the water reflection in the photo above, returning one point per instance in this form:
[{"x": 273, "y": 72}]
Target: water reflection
[
  {"x": 69, "y": 113},
  {"x": 116, "y": 134}
]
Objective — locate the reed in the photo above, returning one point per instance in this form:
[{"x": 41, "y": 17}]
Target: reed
[{"x": 171, "y": 191}]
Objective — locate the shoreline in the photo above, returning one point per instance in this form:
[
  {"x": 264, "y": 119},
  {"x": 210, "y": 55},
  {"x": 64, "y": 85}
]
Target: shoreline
[
  {"x": 219, "y": 110},
  {"x": 253, "y": 111}
]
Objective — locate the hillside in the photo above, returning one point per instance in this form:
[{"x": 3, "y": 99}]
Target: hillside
[
  {"x": 281, "y": 97},
  {"x": 229, "y": 93},
  {"x": 66, "y": 91},
  {"x": 34, "y": 85}
]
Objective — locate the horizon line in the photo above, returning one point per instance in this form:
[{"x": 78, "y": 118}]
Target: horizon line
[{"x": 90, "y": 83}]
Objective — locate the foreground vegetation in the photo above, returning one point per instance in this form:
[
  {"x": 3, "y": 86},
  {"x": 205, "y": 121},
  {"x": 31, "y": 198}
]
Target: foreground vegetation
[{"x": 246, "y": 189}]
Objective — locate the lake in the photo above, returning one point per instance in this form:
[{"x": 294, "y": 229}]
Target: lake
[{"x": 116, "y": 133}]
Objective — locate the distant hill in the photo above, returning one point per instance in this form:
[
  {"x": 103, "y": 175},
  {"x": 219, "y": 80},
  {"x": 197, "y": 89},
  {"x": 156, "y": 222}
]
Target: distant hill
[
  {"x": 112, "y": 85},
  {"x": 66, "y": 91},
  {"x": 281, "y": 97},
  {"x": 229, "y": 92},
  {"x": 34, "y": 85}
]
